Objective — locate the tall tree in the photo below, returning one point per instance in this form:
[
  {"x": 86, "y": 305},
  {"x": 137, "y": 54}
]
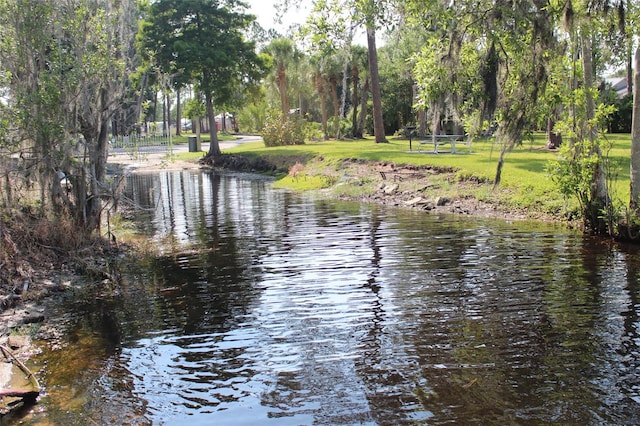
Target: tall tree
[
  {"x": 69, "y": 63},
  {"x": 283, "y": 52},
  {"x": 396, "y": 75},
  {"x": 318, "y": 79},
  {"x": 334, "y": 22},
  {"x": 205, "y": 39},
  {"x": 583, "y": 20},
  {"x": 491, "y": 54},
  {"x": 634, "y": 202},
  {"x": 332, "y": 74},
  {"x": 327, "y": 34},
  {"x": 358, "y": 71},
  {"x": 369, "y": 9}
]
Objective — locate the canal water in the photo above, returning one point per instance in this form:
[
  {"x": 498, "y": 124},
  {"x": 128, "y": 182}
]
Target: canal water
[{"x": 267, "y": 307}]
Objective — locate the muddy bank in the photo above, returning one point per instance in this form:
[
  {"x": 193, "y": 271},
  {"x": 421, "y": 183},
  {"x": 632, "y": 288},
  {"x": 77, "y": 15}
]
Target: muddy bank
[
  {"x": 272, "y": 165},
  {"x": 38, "y": 267},
  {"x": 41, "y": 266}
]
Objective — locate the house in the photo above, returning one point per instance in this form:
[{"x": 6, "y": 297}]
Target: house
[{"x": 619, "y": 84}]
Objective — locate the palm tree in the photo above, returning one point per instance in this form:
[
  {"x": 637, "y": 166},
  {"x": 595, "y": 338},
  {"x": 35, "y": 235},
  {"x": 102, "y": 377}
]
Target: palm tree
[
  {"x": 283, "y": 52},
  {"x": 358, "y": 64}
]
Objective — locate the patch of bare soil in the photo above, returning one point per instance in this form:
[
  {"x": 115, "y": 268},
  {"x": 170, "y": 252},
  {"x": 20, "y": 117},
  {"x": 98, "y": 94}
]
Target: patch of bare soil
[
  {"x": 428, "y": 188},
  {"x": 150, "y": 162}
]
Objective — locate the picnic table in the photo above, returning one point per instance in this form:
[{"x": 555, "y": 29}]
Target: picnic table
[{"x": 438, "y": 140}]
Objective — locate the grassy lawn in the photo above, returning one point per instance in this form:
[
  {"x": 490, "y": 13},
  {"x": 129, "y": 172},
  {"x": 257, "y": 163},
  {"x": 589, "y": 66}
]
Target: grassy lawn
[{"x": 525, "y": 181}]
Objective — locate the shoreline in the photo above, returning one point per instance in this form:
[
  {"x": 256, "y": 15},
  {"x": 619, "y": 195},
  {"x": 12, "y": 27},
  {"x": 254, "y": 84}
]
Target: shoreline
[
  {"x": 381, "y": 183},
  {"x": 31, "y": 314},
  {"x": 418, "y": 187},
  {"x": 425, "y": 188},
  {"x": 402, "y": 186}
]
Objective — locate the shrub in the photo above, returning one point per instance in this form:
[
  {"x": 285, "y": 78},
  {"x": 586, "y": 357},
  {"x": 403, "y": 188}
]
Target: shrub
[
  {"x": 313, "y": 131},
  {"x": 620, "y": 120},
  {"x": 343, "y": 124},
  {"x": 280, "y": 129},
  {"x": 252, "y": 117}
]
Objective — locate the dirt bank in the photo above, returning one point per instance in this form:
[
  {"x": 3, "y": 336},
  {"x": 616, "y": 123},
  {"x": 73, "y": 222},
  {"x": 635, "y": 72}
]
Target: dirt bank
[
  {"x": 427, "y": 188},
  {"x": 414, "y": 187}
]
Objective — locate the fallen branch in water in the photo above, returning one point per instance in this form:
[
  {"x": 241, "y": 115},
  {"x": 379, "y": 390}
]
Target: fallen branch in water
[
  {"x": 27, "y": 394},
  {"x": 19, "y": 393}
]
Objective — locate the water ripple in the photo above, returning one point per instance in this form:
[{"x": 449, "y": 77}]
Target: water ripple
[{"x": 287, "y": 310}]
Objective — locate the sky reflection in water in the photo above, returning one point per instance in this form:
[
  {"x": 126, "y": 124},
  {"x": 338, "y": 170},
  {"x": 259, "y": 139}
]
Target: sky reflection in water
[{"x": 275, "y": 308}]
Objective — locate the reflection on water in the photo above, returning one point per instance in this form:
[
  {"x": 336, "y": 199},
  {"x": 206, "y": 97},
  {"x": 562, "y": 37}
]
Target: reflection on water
[{"x": 273, "y": 308}]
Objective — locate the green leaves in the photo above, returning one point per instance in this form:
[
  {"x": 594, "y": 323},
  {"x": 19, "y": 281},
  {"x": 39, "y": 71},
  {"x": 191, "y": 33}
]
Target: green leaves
[
  {"x": 202, "y": 41},
  {"x": 283, "y": 129}
]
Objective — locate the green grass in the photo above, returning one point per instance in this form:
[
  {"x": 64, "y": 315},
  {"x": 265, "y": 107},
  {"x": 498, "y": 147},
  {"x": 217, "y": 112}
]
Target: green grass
[
  {"x": 525, "y": 182},
  {"x": 304, "y": 182}
]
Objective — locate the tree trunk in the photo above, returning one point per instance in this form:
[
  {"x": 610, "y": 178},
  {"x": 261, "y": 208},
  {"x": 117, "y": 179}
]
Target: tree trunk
[
  {"x": 88, "y": 179},
  {"x": 630, "y": 73},
  {"x": 343, "y": 97},
  {"x": 355, "y": 77},
  {"x": 197, "y": 122},
  {"x": 168, "y": 114},
  {"x": 599, "y": 198},
  {"x": 554, "y": 139},
  {"x": 281, "y": 78},
  {"x": 99, "y": 163},
  {"x": 498, "y": 177},
  {"x": 164, "y": 117},
  {"x": 363, "y": 108},
  {"x": 634, "y": 202},
  {"x": 378, "y": 123},
  {"x": 435, "y": 126},
  {"x": 155, "y": 110},
  {"x": 214, "y": 146},
  {"x": 323, "y": 105},
  {"x": 333, "y": 85},
  {"x": 421, "y": 115},
  {"x": 422, "y": 122},
  {"x": 178, "y": 114},
  {"x": 143, "y": 89}
]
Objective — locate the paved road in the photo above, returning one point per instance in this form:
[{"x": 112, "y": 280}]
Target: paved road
[
  {"x": 150, "y": 149},
  {"x": 240, "y": 140}
]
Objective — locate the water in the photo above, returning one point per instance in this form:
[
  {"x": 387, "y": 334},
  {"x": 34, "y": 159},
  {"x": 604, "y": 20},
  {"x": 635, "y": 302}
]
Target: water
[{"x": 275, "y": 308}]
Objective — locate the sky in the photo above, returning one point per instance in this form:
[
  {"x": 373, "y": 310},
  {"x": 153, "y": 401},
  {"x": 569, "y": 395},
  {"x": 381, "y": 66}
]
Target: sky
[{"x": 266, "y": 13}]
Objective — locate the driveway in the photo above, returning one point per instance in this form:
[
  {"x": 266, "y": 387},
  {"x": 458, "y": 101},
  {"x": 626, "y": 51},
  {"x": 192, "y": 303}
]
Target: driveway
[{"x": 153, "y": 158}]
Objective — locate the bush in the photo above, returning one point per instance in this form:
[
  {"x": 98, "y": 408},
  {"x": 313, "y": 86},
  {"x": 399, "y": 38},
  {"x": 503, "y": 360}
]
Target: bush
[
  {"x": 313, "y": 131},
  {"x": 343, "y": 124},
  {"x": 620, "y": 120},
  {"x": 252, "y": 117},
  {"x": 280, "y": 129}
]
